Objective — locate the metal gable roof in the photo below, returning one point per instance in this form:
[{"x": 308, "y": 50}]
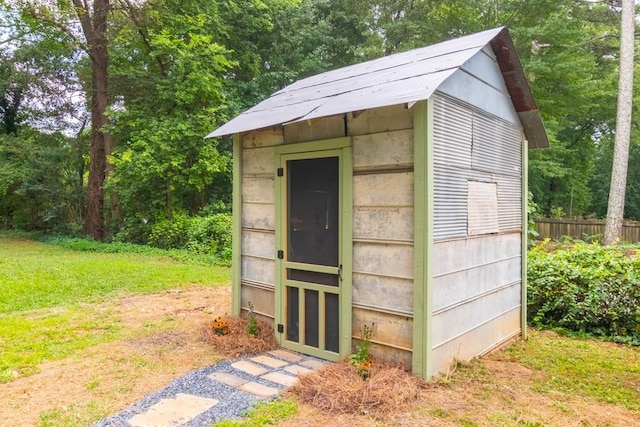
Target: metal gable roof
[{"x": 396, "y": 79}]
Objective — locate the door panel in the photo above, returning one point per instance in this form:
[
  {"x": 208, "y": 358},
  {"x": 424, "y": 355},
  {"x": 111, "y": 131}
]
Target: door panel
[
  {"x": 311, "y": 269},
  {"x": 312, "y": 211}
]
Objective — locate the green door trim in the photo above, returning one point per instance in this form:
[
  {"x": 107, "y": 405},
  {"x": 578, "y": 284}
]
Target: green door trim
[
  {"x": 236, "y": 231},
  {"x": 336, "y": 147},
  {"x": 525, "y": 236},
  {"x": 423, "y": 238}
]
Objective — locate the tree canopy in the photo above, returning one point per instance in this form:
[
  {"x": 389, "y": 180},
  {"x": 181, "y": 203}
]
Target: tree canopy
[{"x": 177, "y": 69}]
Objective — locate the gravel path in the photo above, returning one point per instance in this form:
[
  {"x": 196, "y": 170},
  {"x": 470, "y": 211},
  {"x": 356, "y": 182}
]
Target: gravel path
[{"x": 232, "y": 402}]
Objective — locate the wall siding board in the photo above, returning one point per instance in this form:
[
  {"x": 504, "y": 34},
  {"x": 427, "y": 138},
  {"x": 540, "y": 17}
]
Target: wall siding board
[
  {"x": 263, "y": 300},
  {"x": 258, "y": 189},
  {"x": 461, "y": 319},
  {"x": 383, "y": 292},
  {"x": 383, "y": 189},
  {"x": 478, "y": 341},
  {"x": 258, "y": 243},
  {"x": 259, "y": 216},
  {"x": 387, "y": 328},
  {"x": 383, "y": 151},
  {"x": 398, "y": 223},
  {"x": 459, "y": 254},
  {"x": 378, "y": 120},
  {"x": 258, "y": 220},
  {"x": 384, "y": 259},
  {"x": 258, "y": 270},
  {"x": 315, "y": 129},
  {"x": 258, "y": 161},
  {"x": 463, "y": 285},
  {"x": 383, "y": 228},
  {"x": 263, "y": 138}
]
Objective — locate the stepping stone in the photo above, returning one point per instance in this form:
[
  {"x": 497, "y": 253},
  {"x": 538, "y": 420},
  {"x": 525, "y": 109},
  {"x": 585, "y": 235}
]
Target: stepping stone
[
  {"x": 280, "y": 378},
  {"x": 297, "y": 370},
  {"x": 313, "y": 364},
  {"x": 227, "y": 378},
  {"x": 173, "y": 411},
  {"x": 249, "y": 368},
  {"x": 259, "y": 390},
  {"x": 269, "y": 361},
  {"x": 286, "y": 355}
]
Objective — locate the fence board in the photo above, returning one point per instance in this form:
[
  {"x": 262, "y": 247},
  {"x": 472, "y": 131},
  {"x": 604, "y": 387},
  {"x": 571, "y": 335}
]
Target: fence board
[{"x": 583, "y": 228}]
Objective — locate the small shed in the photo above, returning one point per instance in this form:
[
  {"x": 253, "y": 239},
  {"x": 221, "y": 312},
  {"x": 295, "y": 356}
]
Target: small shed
[{"x": 392, "y": 194}]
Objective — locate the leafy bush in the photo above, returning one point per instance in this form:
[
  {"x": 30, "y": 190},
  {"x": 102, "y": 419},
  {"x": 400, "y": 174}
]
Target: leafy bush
[
  {"x": 171, "y": 233},
  {"x": 586, "y": 288},
  {"x": 211, "y": 235},
  {"x": 201, "y": 235}
]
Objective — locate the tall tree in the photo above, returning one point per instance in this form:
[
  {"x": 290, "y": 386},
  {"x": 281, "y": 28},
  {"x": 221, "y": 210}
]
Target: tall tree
[
  {"x": 92, "y": 18},
  {"x": 615, "y": 210}
]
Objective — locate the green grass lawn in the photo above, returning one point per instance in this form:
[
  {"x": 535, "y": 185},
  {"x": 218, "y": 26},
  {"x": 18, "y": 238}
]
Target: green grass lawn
[{"x": 43, "y": 288}]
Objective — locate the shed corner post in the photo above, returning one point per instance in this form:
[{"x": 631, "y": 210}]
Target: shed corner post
[
  {"x": 236, "y": 239},
  {"x": 422, "y": 362},
  {"x": 525, "y": 236}
]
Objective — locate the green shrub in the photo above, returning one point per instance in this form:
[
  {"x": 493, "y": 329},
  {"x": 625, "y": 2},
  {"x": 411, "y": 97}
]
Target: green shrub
[
  {"x": 211, "y": 235},
  {"x": 586, "y": 288},
  {"x": 171, "y": 233},
  {"x": 200, "y": 235}
]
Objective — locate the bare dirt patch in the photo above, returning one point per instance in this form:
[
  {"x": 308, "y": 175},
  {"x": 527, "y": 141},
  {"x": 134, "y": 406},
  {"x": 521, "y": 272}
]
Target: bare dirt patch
[{"x": 162, "y": 342}]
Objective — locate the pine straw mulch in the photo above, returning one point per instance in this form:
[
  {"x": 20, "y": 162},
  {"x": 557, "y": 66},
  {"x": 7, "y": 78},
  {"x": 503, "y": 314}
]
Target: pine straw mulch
[
  {"x": 338, "y": 387},
  {"x": 237, "y": 342}
]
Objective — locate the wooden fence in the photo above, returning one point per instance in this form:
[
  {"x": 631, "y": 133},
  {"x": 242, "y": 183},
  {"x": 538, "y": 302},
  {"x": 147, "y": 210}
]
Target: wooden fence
[{"x": 584, "y": 228}]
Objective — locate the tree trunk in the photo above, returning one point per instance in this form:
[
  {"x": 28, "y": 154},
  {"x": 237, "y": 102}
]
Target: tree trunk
[
  {"x": 95, "y": 31},
  {"x": 615, "y": 208}
]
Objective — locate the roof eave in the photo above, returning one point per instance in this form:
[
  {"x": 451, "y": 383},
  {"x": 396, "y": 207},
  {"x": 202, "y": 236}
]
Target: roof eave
[{"x": 519, "y": 90}]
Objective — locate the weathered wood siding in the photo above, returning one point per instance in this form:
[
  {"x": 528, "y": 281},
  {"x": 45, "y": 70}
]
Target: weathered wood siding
[
  {"x": 477, "y": 280},
  {"x": 258, "y": 221},
  {"x": 383, "y": 228}
]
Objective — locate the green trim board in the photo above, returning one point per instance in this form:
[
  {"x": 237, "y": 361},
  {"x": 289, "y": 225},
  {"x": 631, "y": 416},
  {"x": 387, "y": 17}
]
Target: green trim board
[
  {"x": 525, "y": 236},
  {"x": 236, "y": 237},
  {"x": 341, "y": 148},
  {"x": 423, "y": 237}
]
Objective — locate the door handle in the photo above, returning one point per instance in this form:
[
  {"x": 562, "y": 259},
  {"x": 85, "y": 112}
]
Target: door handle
[{"x": 340, "y": 272}]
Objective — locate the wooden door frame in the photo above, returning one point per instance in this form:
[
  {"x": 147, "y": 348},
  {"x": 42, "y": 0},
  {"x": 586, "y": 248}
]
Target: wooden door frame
[{"x": 342, "y": 148}]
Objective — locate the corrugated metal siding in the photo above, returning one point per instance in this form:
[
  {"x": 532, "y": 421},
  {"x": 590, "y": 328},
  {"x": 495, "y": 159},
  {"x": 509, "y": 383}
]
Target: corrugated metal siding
[
  {"x": 452, "y": 159},
  {"x": 450, "y": 203},
  {"x": 473, "y": 146},
  {"x": 509, "y": 203},
  {"x": 452, "y": 133},
  {"x": 496, "y": 145}
]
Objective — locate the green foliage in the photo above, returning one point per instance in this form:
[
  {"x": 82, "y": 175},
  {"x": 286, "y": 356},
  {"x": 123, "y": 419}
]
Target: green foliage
[
  {"x": 586, "y": 288},
  {"x": 264, "y": 414},
  {"x": 252, "y": 323},
  {"x": 533, "y": 212},
  {"x": 361, "y": 359},
  {"x": 201, "y": 235}
]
